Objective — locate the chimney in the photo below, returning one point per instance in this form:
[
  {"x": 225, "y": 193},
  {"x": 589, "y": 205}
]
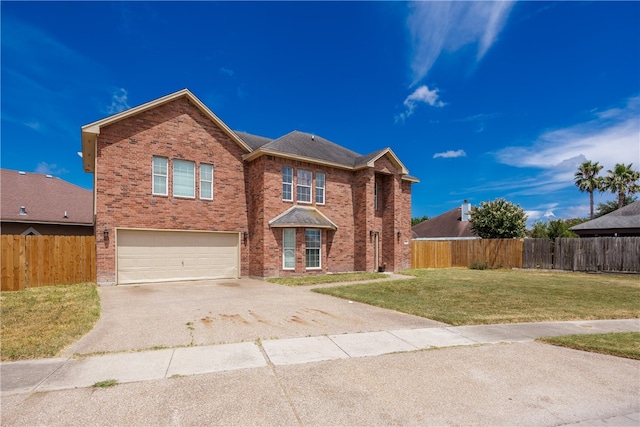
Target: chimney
[{"x": 466, "y": 211}]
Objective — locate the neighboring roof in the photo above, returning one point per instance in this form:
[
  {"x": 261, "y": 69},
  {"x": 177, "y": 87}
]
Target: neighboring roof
[
  {"x": 302, "y": 216},
  {"x": 46, "y": 199},
  {"x": 253, "y": 141},
  {"x": 92, "y": 130},
  {"x": 625, "y": 219},
  {"x": 448, "y": 224}
]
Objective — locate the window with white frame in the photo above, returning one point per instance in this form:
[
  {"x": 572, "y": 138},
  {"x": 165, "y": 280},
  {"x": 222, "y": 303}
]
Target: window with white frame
[
  {"x": 320, "y": 183},
  {"x": 206, "y": 181},
  {"x": 289, "y": 248},
  {"x": 287, "y": 183},
  {"x": 313, "y": 244},
  {"x": 184, "y": 178},
  {"x": 160, "y": 176},
  {"x": 304, "y": 186}
]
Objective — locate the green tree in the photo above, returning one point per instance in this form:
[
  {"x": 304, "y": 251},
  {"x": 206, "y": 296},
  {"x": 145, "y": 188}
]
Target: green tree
[
  {"x": 539, "y": 230},
  {"x": 612, "y": 205},
  {"x": 498, "y": 219},
  {"x": 559, "y": 228},
  {"x": 622, "y": 180},
  {"x": 554, "y": 229},
  {"x": 587, "y": 179},
  {"x": 418, "y": 220}
]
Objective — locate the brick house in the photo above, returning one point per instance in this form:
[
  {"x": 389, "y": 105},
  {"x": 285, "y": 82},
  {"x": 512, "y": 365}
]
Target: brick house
[{"x": 180, "y": 196}]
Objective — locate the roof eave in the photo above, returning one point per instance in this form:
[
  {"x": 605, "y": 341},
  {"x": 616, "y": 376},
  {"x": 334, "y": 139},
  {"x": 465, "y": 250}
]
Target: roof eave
[{"x": 268, "y": 152}]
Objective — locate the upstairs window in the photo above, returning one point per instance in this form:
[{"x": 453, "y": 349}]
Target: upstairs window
[
  {"x": 304, "y": 186},
  {"x": 206, "y": 181},
  {"x": 320, "y": 188},
  {"x": 287, "y": 183},
  {"x": 375, "y": 196},
  {"x": 184, "y": 178},
  {"x": 160, "y": 176}
]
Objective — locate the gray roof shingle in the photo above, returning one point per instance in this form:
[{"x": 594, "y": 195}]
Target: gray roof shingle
[
  {"x": 625, "y": 217},
  {"x": 302, "y": 216}
]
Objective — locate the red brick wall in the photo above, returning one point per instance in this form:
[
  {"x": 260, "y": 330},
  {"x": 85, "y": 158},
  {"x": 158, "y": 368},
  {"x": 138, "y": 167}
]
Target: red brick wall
[{"x": 176, "y": 130}]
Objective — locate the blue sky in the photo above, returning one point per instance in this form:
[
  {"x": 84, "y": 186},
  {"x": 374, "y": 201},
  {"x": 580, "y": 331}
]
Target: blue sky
[{"x": 480, "y": 100}]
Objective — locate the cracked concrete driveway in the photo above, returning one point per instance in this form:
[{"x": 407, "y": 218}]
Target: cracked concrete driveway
[{"x": 136, "y": 317}]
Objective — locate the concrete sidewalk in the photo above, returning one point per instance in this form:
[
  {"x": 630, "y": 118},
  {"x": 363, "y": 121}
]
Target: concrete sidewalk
[{"x": 69, "y": 373}]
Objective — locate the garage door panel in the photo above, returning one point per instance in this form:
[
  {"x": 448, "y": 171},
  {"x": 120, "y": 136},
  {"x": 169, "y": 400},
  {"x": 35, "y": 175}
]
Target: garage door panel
[{"x": 154, "y": 256}]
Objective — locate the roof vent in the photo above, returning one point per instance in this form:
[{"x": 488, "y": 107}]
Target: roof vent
[
  {"x": 313, "y": 137},
  {"x": 65, "y": 214},
  {"x": 49, "y": 176},
  {"x": 23, "y": 210},
  {"x": 22, "y": 173}
]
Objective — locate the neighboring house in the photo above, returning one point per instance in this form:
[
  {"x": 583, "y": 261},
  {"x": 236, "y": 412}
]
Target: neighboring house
[
  {"x": 37, "y": 204},
  {"x": 451, "y": 225},
  {"x": 180, "y": 196},
  {"x": 621, "y": 222}
]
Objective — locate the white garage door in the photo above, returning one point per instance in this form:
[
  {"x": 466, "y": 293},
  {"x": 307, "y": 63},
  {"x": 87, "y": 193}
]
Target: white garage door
[{"x": 161, "y": 256}]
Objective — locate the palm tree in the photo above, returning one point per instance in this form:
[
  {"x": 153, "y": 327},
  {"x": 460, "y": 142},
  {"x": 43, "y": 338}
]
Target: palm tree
[
  {"x": 622, "y": 180},
  {"x": 587, "y": 179}
]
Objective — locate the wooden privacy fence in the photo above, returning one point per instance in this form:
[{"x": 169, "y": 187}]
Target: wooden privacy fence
[
  {"x": 31, "y": 261},
  {"x": 495, "y": 253},
  {"x": 598, "y": 254},
  {"x": 614, "y": 254}
]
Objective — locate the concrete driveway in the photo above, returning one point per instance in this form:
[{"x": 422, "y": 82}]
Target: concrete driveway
[{"x": 136, "y": 317}]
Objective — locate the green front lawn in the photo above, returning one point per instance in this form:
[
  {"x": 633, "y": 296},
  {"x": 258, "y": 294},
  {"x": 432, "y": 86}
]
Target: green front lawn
[
  {"x": 622, "y": 344},
  {"x": 40, "y": 322},
  {"x": 472, "y": 297},
  {"x": 326, "y": 278}
]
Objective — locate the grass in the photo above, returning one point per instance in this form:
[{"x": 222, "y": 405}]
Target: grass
[
  {"x": 473, "y": 297},
  {"x": 326, "y": 278},
  {"x": 40, "y": 322},
  {"x": 105, "y": 384},
  {"x": 622, "y": 344}
]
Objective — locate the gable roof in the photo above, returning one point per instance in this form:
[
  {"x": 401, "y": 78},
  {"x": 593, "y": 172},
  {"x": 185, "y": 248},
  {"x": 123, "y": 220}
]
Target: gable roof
[
  {"x": 46, "y": 199},
  {"x": 295, "y": 145},
  {"x": 446, "y": 225},
  {"x": 625, "y": 219},
  {"x": 302, "y": 216},
  {"x": 91, "y": 131},
  {"x": 316, "y": 149}
]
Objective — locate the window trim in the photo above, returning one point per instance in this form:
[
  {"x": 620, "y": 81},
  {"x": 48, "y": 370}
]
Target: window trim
[
  {"x": 285, "y": 248},
  {"x": 206, "y": 181},
  {"x": 193, "y": 184},
  {"x": 323, "y": 188},
  {"x": 319, "y": 249},
  {"x": 299, "y": 186},
  {"x": 289, "y": 184},
  {"x": 154, "y": 174}
]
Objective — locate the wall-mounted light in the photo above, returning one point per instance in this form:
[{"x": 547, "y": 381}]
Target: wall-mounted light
[
  {"x": 399, "y": 234},
  {"x": 105, "y": 233},
  {"x": 371, "y": 233},
  {"x": 245, "y": 235}
]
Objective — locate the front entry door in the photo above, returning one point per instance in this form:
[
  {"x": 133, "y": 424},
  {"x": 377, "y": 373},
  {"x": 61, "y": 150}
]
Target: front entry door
[{"x": 376, "y": 253}]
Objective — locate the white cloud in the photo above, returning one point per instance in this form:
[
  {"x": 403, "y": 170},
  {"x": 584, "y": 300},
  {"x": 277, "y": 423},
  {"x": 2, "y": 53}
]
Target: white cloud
[
  {"x": 50, "y": 169},
  {"x": 118, "y": 101},
  {"x": 450, "y": 154},
  {"x": 438, "y": 26},
  {"x": 612, "y": 136},
  {"x": 227, "y": 71},
  {"x": 33, "y": 124},
  {"x": 422, "y": 95}
]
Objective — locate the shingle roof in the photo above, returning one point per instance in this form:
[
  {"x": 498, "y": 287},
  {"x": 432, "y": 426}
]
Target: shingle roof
[
  {"x": 448, "y": 224},
  {"x": 306, "y": 145},
  {"x": 625, "y": 217},
  {"x": 46, "y": 199},
  {"x": 302, "y": 216}
]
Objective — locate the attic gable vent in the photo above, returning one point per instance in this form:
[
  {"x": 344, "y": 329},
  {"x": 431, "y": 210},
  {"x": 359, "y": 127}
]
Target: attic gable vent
[{"x": 23, "y": 210}]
